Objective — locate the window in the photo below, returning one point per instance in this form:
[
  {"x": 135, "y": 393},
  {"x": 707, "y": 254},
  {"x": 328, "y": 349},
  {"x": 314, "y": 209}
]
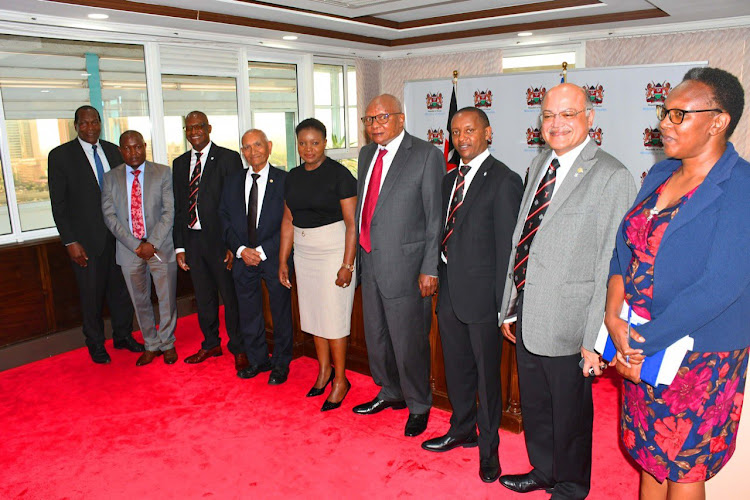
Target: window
[
  {"x": 215, "y": 96},
  {"x": 538, "y": 62},
  {"x": 42, "y": 82},
  {"x": 4, "y": 214},
  {"x": 273, "y": 108},
  {"x": 335, "y": 98}
]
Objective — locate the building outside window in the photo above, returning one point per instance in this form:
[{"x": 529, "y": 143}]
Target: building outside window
[{"x": 335, "y": 100}]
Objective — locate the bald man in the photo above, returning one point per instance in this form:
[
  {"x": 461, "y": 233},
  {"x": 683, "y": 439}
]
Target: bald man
[
  {"x": 575, "y": 196},
  {"x": 251, "y": 210},
  {"x": 138, "y": 208}
]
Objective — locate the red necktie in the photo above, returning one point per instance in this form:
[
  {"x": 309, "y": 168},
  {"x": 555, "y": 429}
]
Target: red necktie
[
  {"x": 539, "y": 206},
  {"x": 371, "y": 199},
  {"x": 136, "y": 208}
]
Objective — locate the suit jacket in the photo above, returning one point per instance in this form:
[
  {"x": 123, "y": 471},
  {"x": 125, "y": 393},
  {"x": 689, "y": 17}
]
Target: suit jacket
[
  {"x": 158, "y": 208},
  {"x": 220, "y": 164},
  {"x": 566, "y": 275},
  {"x": 481, "y": 243},
  {"x": 75, "y": 195},
  {"x": 702, "y": 286},
  {"x": 407, "y": 224},
  {"x": 233, "y": 214}
]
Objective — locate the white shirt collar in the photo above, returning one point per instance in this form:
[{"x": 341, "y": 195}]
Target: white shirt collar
[
  {"x": 478, "y": 159},
  {"x": 87, "y": 146},
  {"x": 203, "y": 152},
  {"x": 393, "y": 146},
  {"x": 263, "y": 172},
  {"x": 568, "y": 158}
]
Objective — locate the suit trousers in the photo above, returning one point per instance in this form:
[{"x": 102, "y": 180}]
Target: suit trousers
[
  {"x": 138, "y": 276},
  {"x": 210, "y": 277},
  {"x": 247, "y": 284},
  {"x": 559, "y": 447},
  {"x": 101, "y": 278},
  {"x": 397, "y": 332},
  {"x": 472, "y": 353}
]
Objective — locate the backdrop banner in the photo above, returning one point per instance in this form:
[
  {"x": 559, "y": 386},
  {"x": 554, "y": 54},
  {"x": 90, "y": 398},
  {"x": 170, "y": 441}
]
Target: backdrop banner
[{"x": 624, "y": 99}]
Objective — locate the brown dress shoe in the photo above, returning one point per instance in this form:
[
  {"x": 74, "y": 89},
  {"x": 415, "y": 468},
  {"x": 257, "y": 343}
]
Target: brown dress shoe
[
  {"x": 170, "y": 356},
  {"x": 203, "y": 355},
  {"x": 240, "y": 361},
  {"x": 147, "y": 357}
]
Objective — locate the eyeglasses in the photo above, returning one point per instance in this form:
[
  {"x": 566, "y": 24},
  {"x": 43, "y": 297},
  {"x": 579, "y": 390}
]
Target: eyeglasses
[
  {"x": 568, "y": 114},
  {"x": 381, "y": 119},
  {"x": 197, "y": 126},
  {"x": 677, "y": 115}
]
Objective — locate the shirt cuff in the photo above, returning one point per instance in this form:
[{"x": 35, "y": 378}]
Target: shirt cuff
[
  {"x": 509, "y": 319},
  {"x": 179, "y": 250},
  {"x": 71, "y": 243},
  {"x": 239, "y": 251},
  {"x": 261, "y": 252}
]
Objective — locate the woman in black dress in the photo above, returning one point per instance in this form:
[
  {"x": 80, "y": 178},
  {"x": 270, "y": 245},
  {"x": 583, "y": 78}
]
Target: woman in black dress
[{"x": 321, "y": 196}]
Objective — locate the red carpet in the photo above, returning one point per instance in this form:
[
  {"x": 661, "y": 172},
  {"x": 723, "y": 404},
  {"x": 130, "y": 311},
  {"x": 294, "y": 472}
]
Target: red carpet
[{"x": 72, "y": 429}]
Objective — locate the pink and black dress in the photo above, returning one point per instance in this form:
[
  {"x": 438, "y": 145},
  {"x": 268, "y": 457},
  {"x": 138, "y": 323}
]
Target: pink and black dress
[{"x": 684, "y": 432}]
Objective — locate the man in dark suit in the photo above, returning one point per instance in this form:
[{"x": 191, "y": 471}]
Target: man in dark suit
[
  {"x": 480, "y": 203},
  {"x": 252, "y": 206},
  {"x": 138, "y": 207},
  {"x": 198, "y": 177},
  {"x": 399, "y": 222},
  {"x": 75, "y": 172}
]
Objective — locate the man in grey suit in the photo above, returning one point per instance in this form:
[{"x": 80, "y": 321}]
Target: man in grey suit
[
  {"x": 399, "y": 219},
  {"x": 138, "y": 207},
  {"x": 575, "y": 198}
]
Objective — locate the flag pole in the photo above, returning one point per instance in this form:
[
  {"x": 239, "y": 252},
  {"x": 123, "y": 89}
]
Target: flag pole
[
  {"x": 451, "y": 158},
  {"x": 564, "y": 72}
]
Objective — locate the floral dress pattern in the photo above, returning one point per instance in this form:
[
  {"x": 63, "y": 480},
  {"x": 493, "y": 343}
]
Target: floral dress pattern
[{"x": 684, "y": 432}]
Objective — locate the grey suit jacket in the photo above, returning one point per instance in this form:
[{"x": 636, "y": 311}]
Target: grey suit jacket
[
  {"x": 407, "y": 223},
  {"x": 566, "y": 274},
  {"x": 158, "y": 207}
]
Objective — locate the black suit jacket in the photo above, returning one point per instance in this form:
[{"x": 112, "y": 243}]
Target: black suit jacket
[
  {"x": 220, "y": 164},
  {"x": 481, "y": 243},
  {"x": 233, "y": 213},
  {"x": 76, "y": 197}
]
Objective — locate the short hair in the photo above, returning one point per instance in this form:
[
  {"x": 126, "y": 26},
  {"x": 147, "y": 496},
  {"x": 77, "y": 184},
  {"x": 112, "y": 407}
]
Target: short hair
[
  {"x": 312, "y": 123},
  {"x": 86, "y": 107},
  {"x": 483, "y": 119},
  {"x": 727, "y": 91},
  {"x": 255, "y": 130},
  {"x": 197, "y": 113},
  {"x": 135, "y": 133}
]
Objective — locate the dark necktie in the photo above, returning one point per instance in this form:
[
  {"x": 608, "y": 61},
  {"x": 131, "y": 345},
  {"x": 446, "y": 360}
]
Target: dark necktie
[
  {"x": 99, "y": 167},
  {"x": 252, "y": 213},
  {"x": 371, "y": 200},
  {"x": 456, "y": 202},
  {"x": 195, "y": 180},
  {"x": 539, "y": 206}
]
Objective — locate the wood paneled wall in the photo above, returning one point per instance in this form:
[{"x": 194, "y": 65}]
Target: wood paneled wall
[{"x": 39, "y": 296}]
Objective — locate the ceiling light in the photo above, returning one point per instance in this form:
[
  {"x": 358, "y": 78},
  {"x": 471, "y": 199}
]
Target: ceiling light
[
  {"x": 525, "y": 33},
  {"x": 290, "y": 37},
  {"x": 44, "y": 91},
  {"x": 98, "y": 16},
  {"x": 86, "y": 74}
]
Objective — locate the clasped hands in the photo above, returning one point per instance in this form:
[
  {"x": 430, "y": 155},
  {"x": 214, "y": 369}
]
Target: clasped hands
[
  {"x": 628, "y": 361},
  {"x": 145, "y": 250}
]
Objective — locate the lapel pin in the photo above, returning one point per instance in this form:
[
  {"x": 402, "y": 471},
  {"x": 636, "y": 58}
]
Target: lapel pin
[
  {"x": 579, "y": 171},
  {"x": 485, "y": 174},
  {"x": 270, "y": 180}
]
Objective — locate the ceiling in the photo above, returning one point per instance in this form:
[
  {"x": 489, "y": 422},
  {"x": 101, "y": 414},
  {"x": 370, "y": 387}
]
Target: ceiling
[{"x": 392, "y": 25}]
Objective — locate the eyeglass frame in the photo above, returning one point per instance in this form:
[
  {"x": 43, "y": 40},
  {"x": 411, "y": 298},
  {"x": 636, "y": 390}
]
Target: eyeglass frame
[
  {"x": 668, "y": 112},
  {"x": 566, "y": 118},
  {"x": 197, "y": 126},
  {"x": 367, "y": 121}
]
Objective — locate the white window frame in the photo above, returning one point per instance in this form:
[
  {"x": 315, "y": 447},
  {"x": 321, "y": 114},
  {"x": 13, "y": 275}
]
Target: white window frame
[
  {"x": 348, "y": 151},
  {"x": 578, "y": 48}
]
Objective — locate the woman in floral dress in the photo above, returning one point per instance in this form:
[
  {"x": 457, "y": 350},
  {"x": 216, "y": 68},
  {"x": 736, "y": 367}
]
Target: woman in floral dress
[{"x": 681, "y": 263}]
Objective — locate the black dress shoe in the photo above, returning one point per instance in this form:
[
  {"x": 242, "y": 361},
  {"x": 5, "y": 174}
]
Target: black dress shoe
[
  {"x": 278, "y": 375},
  {"x": 130, "y": 344},
  {"x": 489, "y": 469},
  {"x": 378, "y": 405},
  {"x": 524, "y": 483},
  {"x": 252, "y": 370},
  {"x": 327, "y": 405},
  {"x": 416, "y": 424},
  {"x": 317, "y": 392},
  {"x": 447, "y": 443},
  {"x": 99, "y": 355}
]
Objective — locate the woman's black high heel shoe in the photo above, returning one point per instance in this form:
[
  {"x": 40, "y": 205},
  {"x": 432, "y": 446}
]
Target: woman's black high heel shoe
[
  {"x": 317, "y": 392},
  {"x": 327, "y": 405}
]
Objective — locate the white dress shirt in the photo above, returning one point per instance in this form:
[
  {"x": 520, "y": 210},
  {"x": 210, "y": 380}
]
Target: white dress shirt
[
  {"x": 262, "y": 183},
  {"x": 566, "y": 162},
  {"x": 473, "y": 169},
  {"x": 129, "y": 177},
  {"x": 191, "y": 167},
  {"x": 391, "y": 148},
  {"x": 88, "y": 148}
]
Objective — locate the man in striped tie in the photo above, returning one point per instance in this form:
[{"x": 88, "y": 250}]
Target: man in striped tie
[
  {"x": 575, "y": 196},
  {"x": 138, "y": 207},
  {"x": 480, "y": 201}
]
